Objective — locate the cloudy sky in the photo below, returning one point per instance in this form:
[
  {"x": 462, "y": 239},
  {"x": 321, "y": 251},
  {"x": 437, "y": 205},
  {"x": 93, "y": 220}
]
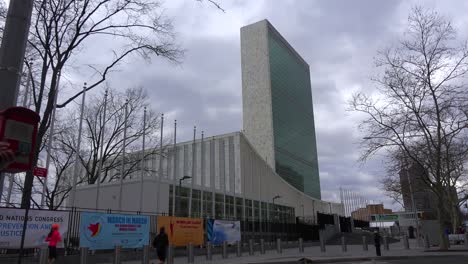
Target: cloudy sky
[{"x": 337, "y": 38}]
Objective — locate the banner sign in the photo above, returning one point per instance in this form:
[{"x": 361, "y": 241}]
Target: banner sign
[
  {"x": 182, "y": 230},
  {"x": 105, "y": 231},
  {"x": 384, "y": 218},
  {"x": 37, "y": 228},
  {"x": 219, "y": 231},
  {"x": 40, "y": 172}
]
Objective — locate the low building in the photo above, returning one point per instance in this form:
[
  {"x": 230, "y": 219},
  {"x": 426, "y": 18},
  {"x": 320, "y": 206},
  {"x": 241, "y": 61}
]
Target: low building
[
  {"x": 228, "y": 180},
  {"x": 364, "y": 214}
]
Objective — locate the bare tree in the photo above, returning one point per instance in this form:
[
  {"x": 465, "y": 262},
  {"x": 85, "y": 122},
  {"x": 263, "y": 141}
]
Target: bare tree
[
  {"x": 421, "y": 109},
  {"x": 112, "y": 142},
  {"x": 60, "y": 30}
]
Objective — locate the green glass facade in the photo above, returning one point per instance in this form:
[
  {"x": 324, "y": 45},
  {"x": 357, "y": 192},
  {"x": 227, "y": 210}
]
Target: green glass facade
[{"x": 293, "y": 118}]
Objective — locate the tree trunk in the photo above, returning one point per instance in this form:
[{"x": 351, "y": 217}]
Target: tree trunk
[
  {"x": 443, "y": 244},
  {"x": 455, "y": 218},
  {"x": 29, "y": 179}
]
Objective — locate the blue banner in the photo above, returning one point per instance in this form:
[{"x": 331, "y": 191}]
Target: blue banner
[
  {"x": 105, "y": 231},
  {"x": 219, "y": 231}
]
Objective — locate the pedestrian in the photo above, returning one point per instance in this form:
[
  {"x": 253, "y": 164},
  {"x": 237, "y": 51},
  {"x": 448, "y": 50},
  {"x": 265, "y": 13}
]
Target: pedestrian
[
  {"x": 377, "y": 243},
  {"x": 53, "y": 238},
  {"x": 160, "y": 243}
]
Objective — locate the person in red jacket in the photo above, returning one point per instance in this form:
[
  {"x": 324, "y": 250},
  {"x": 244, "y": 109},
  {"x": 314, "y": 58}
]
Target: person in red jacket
[{"x": 53, "y": 238}]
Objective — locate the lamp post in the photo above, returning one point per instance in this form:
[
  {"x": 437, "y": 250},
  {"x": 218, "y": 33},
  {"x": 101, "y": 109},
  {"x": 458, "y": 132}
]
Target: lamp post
[
  {"x": 185, "y": 177},
  {"x": 273, "y": 205}
]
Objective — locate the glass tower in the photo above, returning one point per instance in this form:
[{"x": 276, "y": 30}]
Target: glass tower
[{"x": 283, "y": 94}]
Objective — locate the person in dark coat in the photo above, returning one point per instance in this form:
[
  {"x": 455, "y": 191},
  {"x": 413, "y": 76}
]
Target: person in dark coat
[
  {"x": 161, "y": 242},
  {"x": 377, "y": 243}
]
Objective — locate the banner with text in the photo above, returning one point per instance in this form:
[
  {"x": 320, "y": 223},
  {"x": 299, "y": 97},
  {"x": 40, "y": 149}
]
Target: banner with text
[
  {"x": 182, "y": 230},
  {"x": 219, "y": 231},
  {"x": 105, "y": 231},
  {"x": 37, "y": 228}
]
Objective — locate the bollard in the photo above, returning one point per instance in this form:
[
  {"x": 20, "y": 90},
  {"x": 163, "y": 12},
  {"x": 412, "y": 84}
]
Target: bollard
[
  {"x": 344, "y": 248},
  {"x": 190, "y": 256},
  {"x": 251, "y": 247},
  {"x": 262, "y": 246},
  {"x": 365, "y": 246},
  {"x": 225, "y": 250},
  {"x": 322, "y": 245},
  {"x": 385, "y": 242},
  {"x": 279, "y": 250},
  {"x": 239, "y": 249},
  {"x": 146, "y": 253},
  {"x": 301, "y": 245},
  {"x": 44, "y": 254},
  {"x": 466, "y": 240},
  {"x": 406, "y": 242},
  {"x": 426, "y": 242},
  {"x": 170, "y": 254},
  {"x": 84, "y": 252},
  {"x": 117, "y": 256},
  {"x": 209, "y": 252}
]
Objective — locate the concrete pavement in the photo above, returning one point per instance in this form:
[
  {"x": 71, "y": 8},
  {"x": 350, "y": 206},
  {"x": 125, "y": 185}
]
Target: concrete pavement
[{"x": 332, "y": 254}]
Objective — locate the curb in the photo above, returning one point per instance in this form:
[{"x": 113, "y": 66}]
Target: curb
[{"x": 351, "y": 259}]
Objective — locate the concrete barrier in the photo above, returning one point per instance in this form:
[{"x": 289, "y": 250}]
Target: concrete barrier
[
  {"x": 262, "y": 246},
  {"x": 344, "y": 248},
  {"x": 301, "y": 245},
  {"x": 406, "y": 242},
  {"x": 170, "y": 254},
  {"x": 322, "y": 245},
  {"x": 225, "y": 250},
  {"x": 190, "y": 255},
  {"x": 251, "y": 247},
  {"x": 44, "y": 255},
  {"x": 426, "y": 242},
  {"x": 365, "y": 246},
  {"x": 146, "y": 254},
  {"x": 84, "y": 253},
  {"x": 279, "y": 249},
  {"x": 209, "y": 251},
  {"x": 118, "y": 255}
]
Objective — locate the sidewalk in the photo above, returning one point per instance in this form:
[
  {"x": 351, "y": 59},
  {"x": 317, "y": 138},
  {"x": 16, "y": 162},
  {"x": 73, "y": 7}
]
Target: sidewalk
[{"x": 333, "y": 253}]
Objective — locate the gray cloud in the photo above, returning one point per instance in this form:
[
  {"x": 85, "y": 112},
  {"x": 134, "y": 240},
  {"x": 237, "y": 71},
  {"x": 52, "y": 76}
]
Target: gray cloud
[{"x": 337, "y": 38}]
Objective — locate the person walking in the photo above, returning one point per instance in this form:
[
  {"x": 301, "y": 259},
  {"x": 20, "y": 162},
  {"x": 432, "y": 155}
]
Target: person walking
[
  {"x": 161, "y": 242},
  {"x": 377, "y": 243},
  {"x": 53, "y": 238}
]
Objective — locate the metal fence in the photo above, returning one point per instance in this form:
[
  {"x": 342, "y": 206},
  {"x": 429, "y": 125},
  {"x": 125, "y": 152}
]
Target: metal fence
[{"x": 256, "y": 230}]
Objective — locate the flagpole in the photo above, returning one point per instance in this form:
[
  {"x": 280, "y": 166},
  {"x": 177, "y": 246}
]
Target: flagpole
[
  {"x": 142, "y": 162},
  {"x": 124, "y": 146},
  {"x": 28, "y": 84},
  {"x": 174, "y": 169},
  {"x": 11, "y": 177},
  {"x": 50, "y": 139},
  {"x": 160, "y": 170},
  {"x": 102, "y": 150},
  {"x": 193, "y": 171},
  {"x": 78, "y": 148},
  {"x": 202, "y": 175}
]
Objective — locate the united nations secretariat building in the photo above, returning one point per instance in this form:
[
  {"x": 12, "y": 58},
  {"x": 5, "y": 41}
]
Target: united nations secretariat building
[{"x": 265, "y": 175}]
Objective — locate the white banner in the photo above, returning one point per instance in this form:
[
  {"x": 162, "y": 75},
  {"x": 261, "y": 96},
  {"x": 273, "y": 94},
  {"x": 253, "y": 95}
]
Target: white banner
[
  {"x": 225, "y": 230},
  {"x": 38, "y": 227}
]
